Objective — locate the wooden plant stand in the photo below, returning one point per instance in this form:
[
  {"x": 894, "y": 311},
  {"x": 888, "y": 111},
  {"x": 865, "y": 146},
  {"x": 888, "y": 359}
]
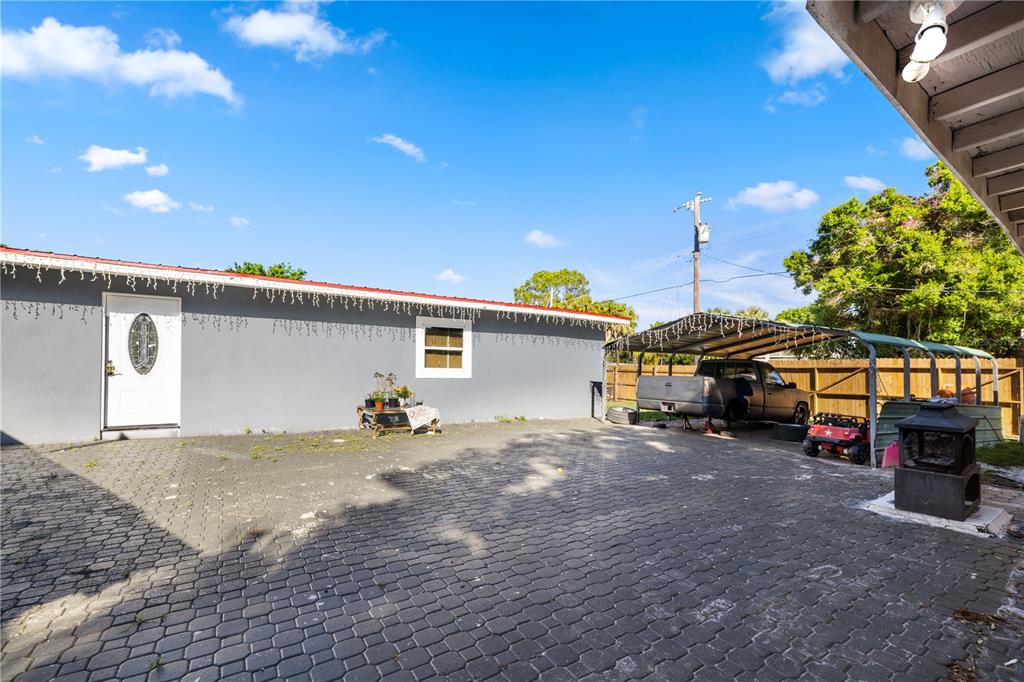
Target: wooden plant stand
[{"x": 388, "y": 419}]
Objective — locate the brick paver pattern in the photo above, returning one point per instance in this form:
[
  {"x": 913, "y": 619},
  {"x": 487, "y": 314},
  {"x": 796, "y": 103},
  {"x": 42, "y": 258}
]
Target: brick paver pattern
[{"x": 556, "y": 551}]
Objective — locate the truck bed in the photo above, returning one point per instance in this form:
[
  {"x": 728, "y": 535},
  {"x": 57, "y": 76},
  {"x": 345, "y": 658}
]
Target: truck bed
[{"x": 695, "y": 396}]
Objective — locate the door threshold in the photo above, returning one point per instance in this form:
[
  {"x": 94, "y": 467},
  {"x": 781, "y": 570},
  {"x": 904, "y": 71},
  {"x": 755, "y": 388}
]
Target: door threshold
[{"x": 133, "y": 432}]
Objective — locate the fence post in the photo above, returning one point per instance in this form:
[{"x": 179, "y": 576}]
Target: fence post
[{"x": 814, "y": 390}]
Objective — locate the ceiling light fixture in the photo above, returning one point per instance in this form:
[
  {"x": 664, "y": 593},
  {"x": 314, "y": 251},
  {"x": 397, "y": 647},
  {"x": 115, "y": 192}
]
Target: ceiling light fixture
[{"x": 930, "y": 40}]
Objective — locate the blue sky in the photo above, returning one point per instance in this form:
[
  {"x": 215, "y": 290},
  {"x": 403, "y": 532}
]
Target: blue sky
[{"x": 449, "y": 148}]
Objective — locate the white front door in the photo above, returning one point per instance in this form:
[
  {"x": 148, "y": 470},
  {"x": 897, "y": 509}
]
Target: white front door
[{"x": 143, "y": 366}]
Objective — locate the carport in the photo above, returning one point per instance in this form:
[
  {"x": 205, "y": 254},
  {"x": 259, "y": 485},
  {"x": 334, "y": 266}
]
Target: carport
[{"x": 742, "y": 338}]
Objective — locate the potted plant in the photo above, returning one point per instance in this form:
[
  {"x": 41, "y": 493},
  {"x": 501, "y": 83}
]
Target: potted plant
[
  {"x": 385, "y": 387},
  {"x": 368, "y": 400},
  {"x": 403, "y": 393}
]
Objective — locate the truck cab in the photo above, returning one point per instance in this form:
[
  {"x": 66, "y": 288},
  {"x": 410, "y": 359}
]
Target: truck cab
[{"x": 771, "y": 397}]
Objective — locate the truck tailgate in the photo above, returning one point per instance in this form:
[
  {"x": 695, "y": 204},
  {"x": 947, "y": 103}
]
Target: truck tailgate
[{"x": 694, "y": 396}]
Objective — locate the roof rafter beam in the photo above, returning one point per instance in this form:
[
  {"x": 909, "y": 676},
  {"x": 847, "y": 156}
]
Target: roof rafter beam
[
  {"x": 978, "y": 93},
  {"x": 729, "y": 340},
  {"x": 976, "y": 31},
  {"x": 1009, "y": 202},
  {"x": 998, "y": 162},
  {"x": 1005, "y": 184},
  {"x": 1016, "y": 216},
  {"x": 869, "y": 10},
  {"x": 791, "y": 344},
  {"x": 991, "y": 130}
]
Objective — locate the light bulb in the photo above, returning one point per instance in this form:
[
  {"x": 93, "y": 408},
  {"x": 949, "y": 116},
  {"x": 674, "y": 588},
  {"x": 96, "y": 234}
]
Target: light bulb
[
  {"x": 929, "y": 43},
  {"x": 915, "y": 71}
]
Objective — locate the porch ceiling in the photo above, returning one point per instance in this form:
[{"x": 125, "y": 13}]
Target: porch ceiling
[{"x": 969, "y": 108}]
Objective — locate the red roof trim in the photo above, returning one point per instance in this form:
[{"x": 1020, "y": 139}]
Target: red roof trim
[{"x": 331, "y": 285}]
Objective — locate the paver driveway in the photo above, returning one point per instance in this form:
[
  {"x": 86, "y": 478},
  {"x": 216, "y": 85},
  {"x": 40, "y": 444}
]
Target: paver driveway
[{"x": 559, "y": 550}]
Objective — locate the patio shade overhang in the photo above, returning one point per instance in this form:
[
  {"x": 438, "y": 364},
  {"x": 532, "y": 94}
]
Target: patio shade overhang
[
  {"x": 727, "y": 336},
  {"x": 969, "y": 109}
]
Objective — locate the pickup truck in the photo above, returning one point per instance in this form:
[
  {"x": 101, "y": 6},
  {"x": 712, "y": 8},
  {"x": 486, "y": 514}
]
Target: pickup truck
[{"x": 733, "y": 390}]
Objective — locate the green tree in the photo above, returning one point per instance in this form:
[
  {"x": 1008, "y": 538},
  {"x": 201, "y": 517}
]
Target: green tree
[
  {"x": 752, "y": 311},
  {"x": 934, "y": 267},
  {"x": 569, "y": 290},
  {"x": 281, "y": 270}
]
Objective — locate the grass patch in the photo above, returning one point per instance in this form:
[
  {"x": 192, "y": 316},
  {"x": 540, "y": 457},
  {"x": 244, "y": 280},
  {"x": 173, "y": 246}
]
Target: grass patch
[
  {"x": 502, "y": 419},
  {"x": 645, "y": 415},
  {"x": 1009, "y": 453},
  {"x": 91, "y": 464}
]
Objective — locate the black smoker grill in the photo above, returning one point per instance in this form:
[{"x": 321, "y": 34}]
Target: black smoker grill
[{"x": 938, "y": 473}]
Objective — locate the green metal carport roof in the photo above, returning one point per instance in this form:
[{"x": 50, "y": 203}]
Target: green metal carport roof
[{"x": 727, "y": 336}]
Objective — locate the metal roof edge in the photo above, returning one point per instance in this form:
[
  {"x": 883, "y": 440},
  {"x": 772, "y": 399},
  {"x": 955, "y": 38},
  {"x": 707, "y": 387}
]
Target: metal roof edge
[{"x": 59, "y": 261}]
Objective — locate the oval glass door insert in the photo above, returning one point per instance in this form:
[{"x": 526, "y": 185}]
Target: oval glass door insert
[{"x": 142, "y": 343}]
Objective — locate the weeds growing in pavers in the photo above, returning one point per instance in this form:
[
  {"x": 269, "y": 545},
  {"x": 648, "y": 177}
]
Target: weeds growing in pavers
[
  {"x": 91, "y": 464},
  {"x": 139, "y": 618},
  {"x": 155, "y": 663}
]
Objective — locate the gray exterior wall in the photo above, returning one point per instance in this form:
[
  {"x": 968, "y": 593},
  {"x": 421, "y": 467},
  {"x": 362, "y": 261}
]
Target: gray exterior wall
[{"x": 254, "y": 364}]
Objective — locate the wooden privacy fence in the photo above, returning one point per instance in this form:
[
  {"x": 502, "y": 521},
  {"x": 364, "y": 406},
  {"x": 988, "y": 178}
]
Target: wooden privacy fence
[{"x": 842, "y": 385}]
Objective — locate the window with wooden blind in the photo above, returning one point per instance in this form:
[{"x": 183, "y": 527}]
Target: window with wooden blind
[{"x": 443, "y": 348}]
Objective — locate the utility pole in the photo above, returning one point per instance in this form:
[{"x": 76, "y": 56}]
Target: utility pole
[{"x": 701, "y": 235}]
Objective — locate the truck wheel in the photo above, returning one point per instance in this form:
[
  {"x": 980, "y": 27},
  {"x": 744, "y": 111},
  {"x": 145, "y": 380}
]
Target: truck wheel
[
  {"x": 801, "y": 413},
  {"x": 794, "y": 433},
  {"x": 735, "y": 411},
  {"x": 811, "y": 449},
  {"x": 858, "y": 453}
]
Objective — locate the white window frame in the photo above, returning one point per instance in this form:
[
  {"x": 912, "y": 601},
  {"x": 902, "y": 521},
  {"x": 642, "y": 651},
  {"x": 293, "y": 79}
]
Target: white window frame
[{"x": 424, "y": 372}]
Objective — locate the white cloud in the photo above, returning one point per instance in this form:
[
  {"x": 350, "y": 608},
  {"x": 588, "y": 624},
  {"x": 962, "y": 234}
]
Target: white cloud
[
  {"x": 158, "y": 171},
  {"x": 799, "y": 97},
  {"x": 774, "y": 197},
  {"x": 864, "y": 182},
  {"x": 913, "y": 148},
  {"x": 872, "y": 150},
  {"x": 35, "y": 139},
  {"x": 300, "y": 28},
  {"x": 162, "y": 37},
  {"x": 449, "y": 276},
  {"x": 238, "y": 221},
  {"x": 638, "y": 117},
  {"x": 152, "y": 200},
  {"x": 200, "y": 208},
  {"x": 404, "y": 146},
  {"x": 92, "y": 53},
  {"x": 807, "y": 50},
  {"x": 103, "y": 158},
  {"x": 545, "y": 240}
]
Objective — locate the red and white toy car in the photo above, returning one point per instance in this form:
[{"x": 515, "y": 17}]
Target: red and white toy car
[{"x": 838, "y": 433}]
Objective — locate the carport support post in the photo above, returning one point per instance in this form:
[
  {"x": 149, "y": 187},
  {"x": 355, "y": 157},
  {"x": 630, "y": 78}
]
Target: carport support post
[
  {"x": 935, "y": 375},
  {"x": 958, "y": 381},
  {"x": 873, "y": 398},
  {"x": 604, "y": 386},
  {"x": 977, "y": 380},
  {"x": 995, "y": 381},
  {"x": 639, "y": 371},
  {"x": 906, "y": 374}
]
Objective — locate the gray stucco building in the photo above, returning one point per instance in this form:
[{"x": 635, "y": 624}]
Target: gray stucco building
[{"x": 92, "y": 347}]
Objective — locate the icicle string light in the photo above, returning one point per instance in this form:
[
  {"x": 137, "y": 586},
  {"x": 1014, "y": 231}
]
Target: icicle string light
[{"x": 280, "y": 292}]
